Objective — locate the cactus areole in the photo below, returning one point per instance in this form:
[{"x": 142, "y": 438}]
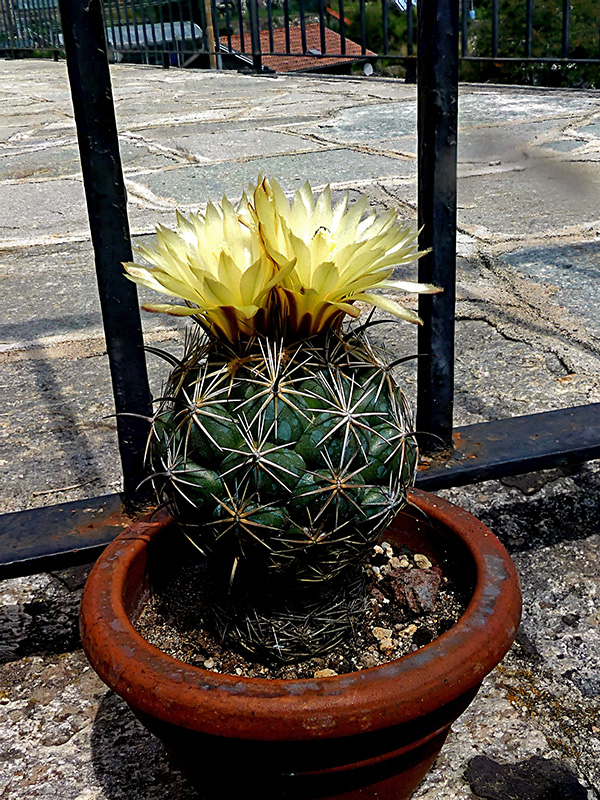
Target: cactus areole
[{"x": 281, "y": 443}]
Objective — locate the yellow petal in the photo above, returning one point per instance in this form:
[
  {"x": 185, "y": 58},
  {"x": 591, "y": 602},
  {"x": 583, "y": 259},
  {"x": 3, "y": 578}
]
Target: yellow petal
[{"x": 391, "y": 306}]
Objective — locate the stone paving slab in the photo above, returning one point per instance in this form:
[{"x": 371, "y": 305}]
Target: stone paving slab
[
  {"x": 528, "y": 340},
  {"x": 224, "y": 144},
  {"x": 190, "y": 186},
  {"x": 515, "y": 201}
]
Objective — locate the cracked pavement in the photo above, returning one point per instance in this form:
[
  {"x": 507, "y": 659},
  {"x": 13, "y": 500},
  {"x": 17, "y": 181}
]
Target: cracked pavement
[{"x": 528, "y": 340}]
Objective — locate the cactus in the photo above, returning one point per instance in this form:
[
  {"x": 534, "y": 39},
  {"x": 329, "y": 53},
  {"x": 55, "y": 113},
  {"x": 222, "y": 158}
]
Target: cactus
[{"x": 281, "y": 443}]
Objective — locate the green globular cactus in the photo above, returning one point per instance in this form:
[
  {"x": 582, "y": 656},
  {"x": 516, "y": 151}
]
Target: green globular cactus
[{"x": 283, "y": 464}]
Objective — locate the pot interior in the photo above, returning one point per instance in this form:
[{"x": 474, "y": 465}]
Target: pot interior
[{"x": 412, "y": 528}]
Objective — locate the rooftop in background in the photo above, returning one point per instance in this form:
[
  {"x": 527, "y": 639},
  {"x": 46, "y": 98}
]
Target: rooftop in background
[{"x": 314, "y": 60}]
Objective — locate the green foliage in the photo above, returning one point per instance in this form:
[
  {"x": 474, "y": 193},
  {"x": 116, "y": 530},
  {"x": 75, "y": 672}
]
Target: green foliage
[
  {"x": 397, "y": 38},
  {"x": 546, "y": 42}
]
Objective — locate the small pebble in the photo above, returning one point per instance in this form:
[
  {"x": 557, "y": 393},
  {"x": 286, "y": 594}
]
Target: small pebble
[
  {"x": 378, "y": 550},
  {"x": 422, "y": 561},
  {"x": 209, "y": 663},
  {"x": 394, "y": 562},
  {"x": 382, "y": 633},
  {"x": 386, "y": 645},
  {"x": 369, "y": 661},
  {"x": 324, "y": 673},
  {"x": 404, "y": 562},
  {"x": 408, "y": 631},
  {"x": 388, "y": 548}
]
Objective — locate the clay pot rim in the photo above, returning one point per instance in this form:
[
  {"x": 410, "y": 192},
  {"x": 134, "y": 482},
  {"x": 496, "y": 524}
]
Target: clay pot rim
[{"x": 262, "y": 708}]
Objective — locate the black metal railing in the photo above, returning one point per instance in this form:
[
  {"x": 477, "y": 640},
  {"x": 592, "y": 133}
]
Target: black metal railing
[
  {"x": 499, "y": 39},
  {"x": 29, "y": 25},
  {"x": 474, "y": 452}
]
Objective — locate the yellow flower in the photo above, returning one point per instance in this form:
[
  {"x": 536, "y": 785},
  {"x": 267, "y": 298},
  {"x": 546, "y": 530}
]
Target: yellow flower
[
  {"x": 217, "y": 263},
  {"x": 270, "y": 265},
  {"x": 333, "y": 257}
]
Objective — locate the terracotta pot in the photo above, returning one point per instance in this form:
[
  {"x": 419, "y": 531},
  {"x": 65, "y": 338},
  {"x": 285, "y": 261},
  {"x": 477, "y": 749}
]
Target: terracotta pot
[{"x": 368, "y": 734}]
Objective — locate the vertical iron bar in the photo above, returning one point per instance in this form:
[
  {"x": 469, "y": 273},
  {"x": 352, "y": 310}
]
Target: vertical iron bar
[
  {"x": 22, "y": 13},
  {"x": 163, "y": 35},
  {"x": 172, "y": 26},
  {"x": 566, "y": 28},
  {"x": 342, "y": 27},
  {"x": 13, "y": 27},
  {"x": 241, "y": 24},
  {"x": 181, "y": 30},
  {"x": 4, "y": 25},
  {"x": 54, "y": 26},
  {"x": 57, "y": 24},
  {"x": 255, "y": 36},
  {"x": 113, "y": 30},
  {"x": 217, "y": 59},
  {"x": 37, "y": 24},
  {"x": 51, "y": 33},
  {"x": 528, "y": 27},
  {"x": 43, "y": 21},
  {"x": 133, "y": 23},
  {"x": 411, "y": 63},
  {"x": 45, "y": 16},
  {"x": 322, "y": 26},
  {"x": 89, "y": 78},
  {"x": 193, "y": 24},
  {"x": 28, "y": 33},
  {"x": 144, "y": 27},
  {"x": 409, "y": 28},
  {"x": 152, "y": 30},
  {"x": 119, "y": 23},
  {"x": 16, "y": 22},
  {"x": 12, "y": 24},
  {"x": 3, "y": 21},
  {"x": 203, "y": 23},
  {"x": 19, "y": 29},
  {"x": 228, "y": 24},
  {"x": 286, "y": 18},
  {"x": 363, "y": 27},
  {"x": 495, "y": 27},
  {"x": 31, "y": 22},
  {"x": 270, "y": 20},
  {"x": 437, "y": 108},
  {"x": 464, "y": 27},
  {"x": 302, "y": 26},
  {"x": 384, "y": 21}
]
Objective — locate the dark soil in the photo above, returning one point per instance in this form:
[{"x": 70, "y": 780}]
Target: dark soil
[{"x": 411, "y": 602}]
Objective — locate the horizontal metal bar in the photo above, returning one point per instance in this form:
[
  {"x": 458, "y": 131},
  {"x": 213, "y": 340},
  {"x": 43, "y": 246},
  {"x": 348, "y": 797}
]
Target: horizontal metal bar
[
  {"x": 43, "y": 539},
  {"x": 531, "y": 60},
  {"x": 53, "y": 537},
  {"x": 514, "y": 446}
]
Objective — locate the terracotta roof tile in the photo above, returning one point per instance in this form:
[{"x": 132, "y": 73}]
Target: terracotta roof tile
[{"x": 293, "y": 62}]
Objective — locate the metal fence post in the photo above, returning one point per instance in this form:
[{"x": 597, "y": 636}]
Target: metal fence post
[
  {"x": 437, "y": 105},
  {"x": 89, "y": 77},
  {"x": 210, "y": 33},
  {"x": 255, "y": 36}
]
